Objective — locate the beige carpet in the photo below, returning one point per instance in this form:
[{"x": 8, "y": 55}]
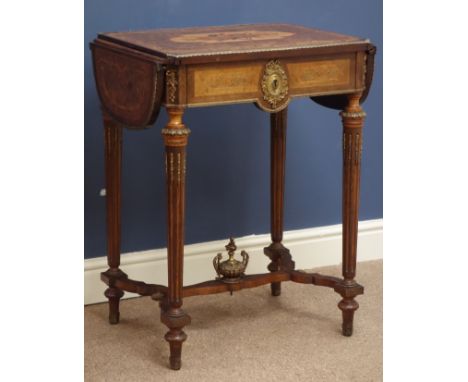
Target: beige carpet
[{"x": 249, "y": 336}]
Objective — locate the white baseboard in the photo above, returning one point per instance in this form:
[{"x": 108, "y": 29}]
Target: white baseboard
[{"x": 310, "y": 248}]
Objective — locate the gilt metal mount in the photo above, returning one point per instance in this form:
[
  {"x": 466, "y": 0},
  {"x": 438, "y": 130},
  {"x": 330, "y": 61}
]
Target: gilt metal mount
[
  {"x": 230, "y": 270},
  {"x": 274, "y": 84}
]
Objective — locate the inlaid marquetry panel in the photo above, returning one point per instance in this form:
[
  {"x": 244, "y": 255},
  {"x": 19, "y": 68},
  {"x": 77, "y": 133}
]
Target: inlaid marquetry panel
[
  {"x": 130, "y": 88},
  {"x": 223, "y": 83},
  {"x": 312, "y": 74},
  {"x": 248, "y": 35}
]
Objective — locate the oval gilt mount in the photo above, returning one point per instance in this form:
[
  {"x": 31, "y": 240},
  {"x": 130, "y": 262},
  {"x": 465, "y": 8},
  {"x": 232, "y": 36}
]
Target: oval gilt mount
[{"x": 274, "y": 84}]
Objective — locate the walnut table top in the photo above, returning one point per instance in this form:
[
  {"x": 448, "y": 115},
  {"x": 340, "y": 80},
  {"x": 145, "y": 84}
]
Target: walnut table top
[
  {"x": 206, "y": 43},
  {"x": 266, "y": 64}
]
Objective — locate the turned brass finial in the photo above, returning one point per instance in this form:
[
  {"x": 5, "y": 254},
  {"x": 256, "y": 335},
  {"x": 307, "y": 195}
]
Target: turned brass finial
[
  {"x": 231, "y": 248},
  {"x": 230, "y": 270}
]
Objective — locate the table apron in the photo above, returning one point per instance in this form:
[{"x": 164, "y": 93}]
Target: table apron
[{"x": 227, "y": 83}]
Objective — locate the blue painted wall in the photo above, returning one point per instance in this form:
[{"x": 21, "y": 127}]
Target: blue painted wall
[{"x": 228, "y": 153}]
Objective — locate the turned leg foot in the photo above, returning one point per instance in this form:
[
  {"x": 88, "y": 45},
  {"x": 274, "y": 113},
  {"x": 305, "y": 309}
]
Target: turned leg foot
[
  {"x": 175, "y": 339},
  {"x": 114, "y": 295},
  {"x": 276, "y": 288},
  {"x": 175, "y": 319},
  {"x": 348, "y": 306}
]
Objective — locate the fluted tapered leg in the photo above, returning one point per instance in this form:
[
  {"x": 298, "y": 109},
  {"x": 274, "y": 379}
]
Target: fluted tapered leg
[
  {"x": 278, "y": 254},
  {"x": 353, "y": 120},
  {"x": 172, "y": 315},
  {"x": 113, "y": 164}
]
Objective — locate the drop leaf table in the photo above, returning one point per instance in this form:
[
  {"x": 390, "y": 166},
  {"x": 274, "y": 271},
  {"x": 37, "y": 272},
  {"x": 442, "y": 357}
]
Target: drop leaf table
[{"x": 264, "y": 64}]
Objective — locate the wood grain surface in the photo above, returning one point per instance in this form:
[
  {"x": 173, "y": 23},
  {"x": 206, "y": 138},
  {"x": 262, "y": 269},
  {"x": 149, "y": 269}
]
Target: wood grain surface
[{"x": 206, "y": 41}]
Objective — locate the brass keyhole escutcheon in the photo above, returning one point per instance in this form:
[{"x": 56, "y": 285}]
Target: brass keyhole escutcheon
[{"x": 274, "y": 84}]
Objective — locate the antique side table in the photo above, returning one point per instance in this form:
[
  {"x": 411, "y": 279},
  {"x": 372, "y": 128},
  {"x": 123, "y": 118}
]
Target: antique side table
[{"x": 266, "y": 64}]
